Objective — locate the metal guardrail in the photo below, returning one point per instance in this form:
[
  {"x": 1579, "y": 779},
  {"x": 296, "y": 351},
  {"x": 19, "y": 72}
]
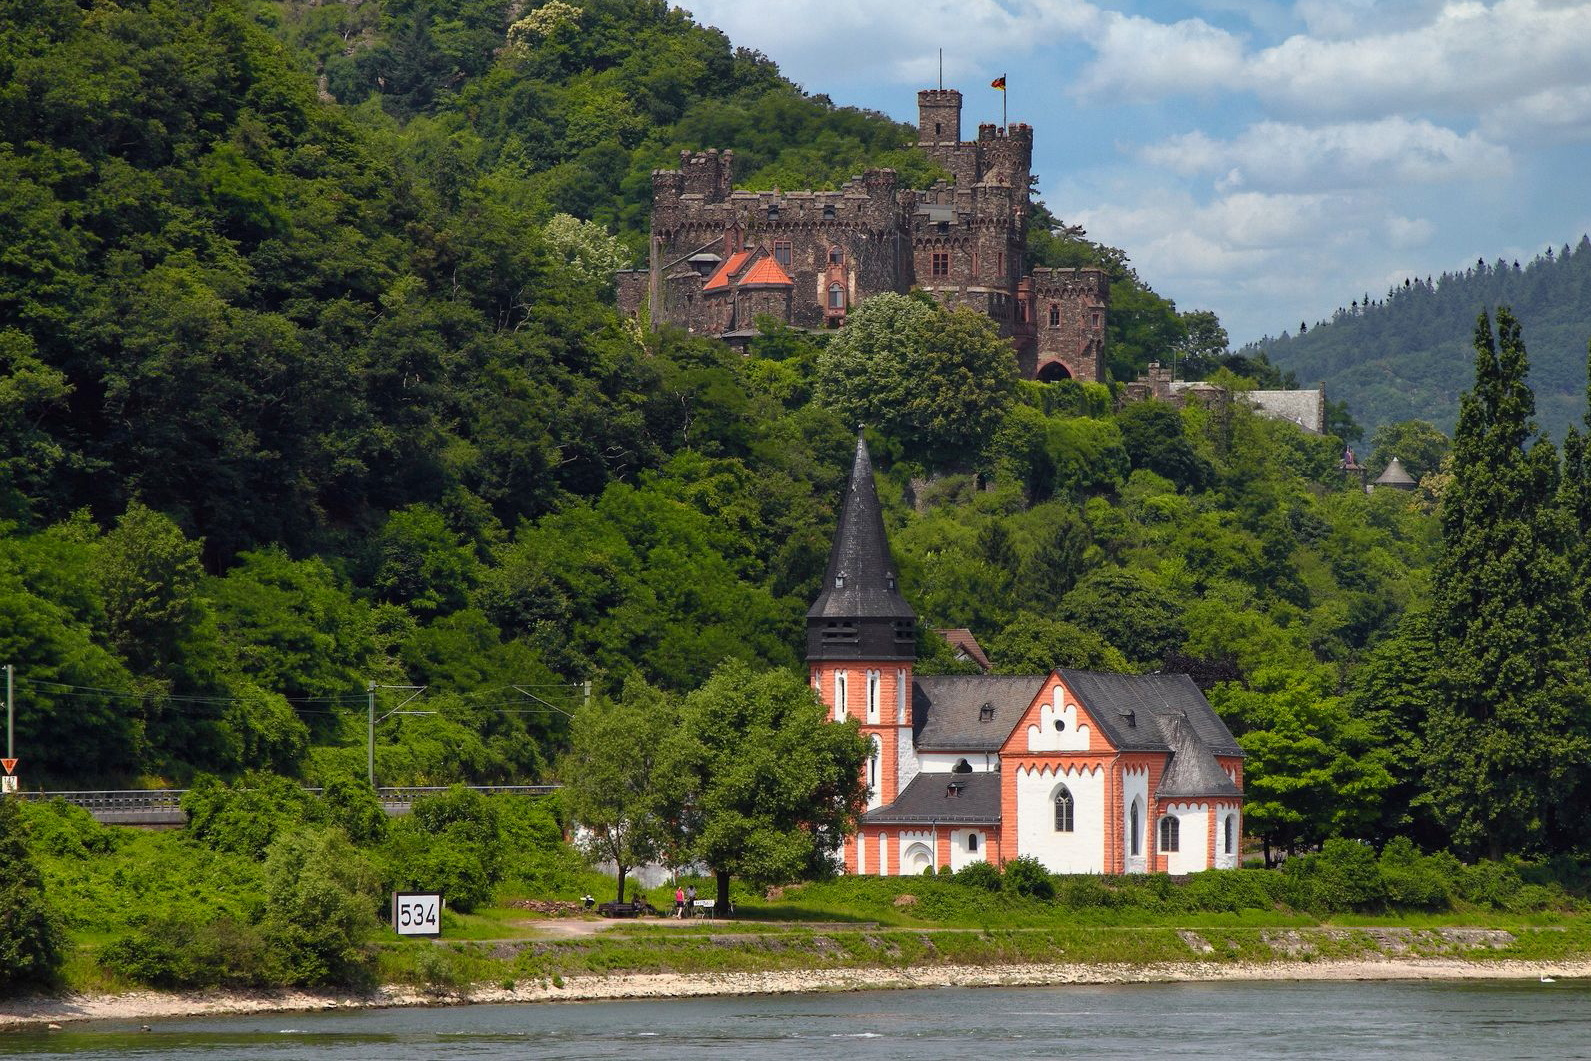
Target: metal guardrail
[{"x": 163, "y": 806}]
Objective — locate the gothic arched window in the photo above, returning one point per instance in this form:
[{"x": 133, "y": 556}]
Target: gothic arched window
[
  {"x": 836, "y": 296},
  {"x": 1063, "y": 810}
]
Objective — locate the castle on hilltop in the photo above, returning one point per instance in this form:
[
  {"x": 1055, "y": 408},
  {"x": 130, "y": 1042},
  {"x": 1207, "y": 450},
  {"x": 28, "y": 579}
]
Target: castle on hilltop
[{"x": 720, "y": 258}]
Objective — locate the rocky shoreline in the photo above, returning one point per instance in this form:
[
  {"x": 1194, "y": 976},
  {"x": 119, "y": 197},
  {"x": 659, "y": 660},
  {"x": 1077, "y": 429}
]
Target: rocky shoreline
[{"x": 151, "y": 1005}]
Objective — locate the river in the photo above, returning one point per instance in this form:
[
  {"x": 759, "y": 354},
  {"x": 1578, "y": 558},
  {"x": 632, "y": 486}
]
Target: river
[{"x": 1413, "y": 1021}]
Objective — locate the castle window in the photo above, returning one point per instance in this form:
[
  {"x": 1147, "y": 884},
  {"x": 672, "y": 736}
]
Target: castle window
[
  {"x": 999, "y": 263},
  {"x": 781, "y": 251},
  {"x": 1022, "y": 311},
  {"x": 1170, "y": 833},
  {"x": 944, "y": 228},
  {"x": 836, "y": 256},
  {"x": 900, "y": 696},
  {"x": 872, "y": 695},
  {"x": 1055, "y": 315},
  {"x": 941, "y": 263},
  {"x": 828, "y": 211},
  {"x": 836, "y": 296},
  {"x": 905, "y": 632},
  {"x": 1135, "y": 832},
  {"x": 773, "y": 211},
  {"x": 972, "y": 841},
  {"x": 938, "y": 129},
  {"x": 1063, "y": 810},
  {"x": 1228, "y": 827},
  {"x": 1093, "y": 319}
]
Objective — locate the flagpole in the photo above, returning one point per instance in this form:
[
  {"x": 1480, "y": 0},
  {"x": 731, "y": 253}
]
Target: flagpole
[{"x": 1005, "y": 95}]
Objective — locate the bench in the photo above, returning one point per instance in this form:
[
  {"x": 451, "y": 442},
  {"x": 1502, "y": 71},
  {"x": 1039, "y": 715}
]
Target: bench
[{"x": 630, "y": 909}]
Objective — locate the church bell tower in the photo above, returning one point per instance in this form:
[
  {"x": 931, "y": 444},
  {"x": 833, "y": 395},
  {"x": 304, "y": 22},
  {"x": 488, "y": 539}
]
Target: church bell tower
[{"x": 862, "y": 638}]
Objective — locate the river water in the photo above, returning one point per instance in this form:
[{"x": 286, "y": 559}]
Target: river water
[{"x": 1412, "y": 1021}]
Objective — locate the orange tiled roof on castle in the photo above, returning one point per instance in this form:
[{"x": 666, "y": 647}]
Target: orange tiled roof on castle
[
  {"x": 767, "y": 271},
  {"x": 721, "y": 275}
]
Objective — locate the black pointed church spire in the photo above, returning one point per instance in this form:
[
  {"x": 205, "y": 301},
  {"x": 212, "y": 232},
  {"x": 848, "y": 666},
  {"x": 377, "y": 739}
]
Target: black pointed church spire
[{"x": 860, "y": 613}]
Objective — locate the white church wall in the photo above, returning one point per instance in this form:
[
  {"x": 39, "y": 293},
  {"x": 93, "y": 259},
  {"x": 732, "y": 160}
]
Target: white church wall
[
  {"x": 1059, "y": 728},
  {"x": 945, "y": 762},
  {"x": 1135, "y": 791},
  {"x": 1193, "y": 837},
  {"x": 907, "y": 763},
  {"x": 916, "y": 852},
  {"x": 961, "y": 851},
  {"x": 1083, "y": 849},
  {"x": 1225, "y": 859}
]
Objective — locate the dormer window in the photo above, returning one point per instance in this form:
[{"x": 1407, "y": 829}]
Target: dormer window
[
  {"x": 986, "y": 713},
  {"x": 839, "y": 581},
  {"x": 1130, "y": 718},
  {"x": 889, "y": 580},
  {"x": 953, "y": 790}
]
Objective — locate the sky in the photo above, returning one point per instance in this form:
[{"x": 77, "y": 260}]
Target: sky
[{"x": 1267, "y": 160}]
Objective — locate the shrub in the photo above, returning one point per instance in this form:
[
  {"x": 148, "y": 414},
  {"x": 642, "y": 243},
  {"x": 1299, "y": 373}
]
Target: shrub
[
  {"x": 246, "y": 816},
  {"x": 321, "y": 902},
  {"x": 1418, "y": 882},
  {"x": 1487, "y": 883},
  {"x": 1343, "y": 875},
  {"x": 1082, "y": 892},
  {"x": 979, "y": 875},
  {"x": 177, "y": 951},
  {"x": 1231, "y": 890},
  {"x": 32, "y": 941},
  {"x": 56, "y": 827},
  {"x": 1026, "y": 875},
  {"x": 351, "y": 804}
]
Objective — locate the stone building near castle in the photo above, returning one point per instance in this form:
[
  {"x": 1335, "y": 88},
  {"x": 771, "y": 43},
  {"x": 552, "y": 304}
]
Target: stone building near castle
[{"x": 719, "y": 258}]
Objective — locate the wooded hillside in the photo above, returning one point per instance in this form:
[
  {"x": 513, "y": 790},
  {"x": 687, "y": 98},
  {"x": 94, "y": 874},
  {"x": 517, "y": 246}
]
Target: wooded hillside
[
  {"x": 1405, "y": 355},
  {"x": 312, "y": 381}
]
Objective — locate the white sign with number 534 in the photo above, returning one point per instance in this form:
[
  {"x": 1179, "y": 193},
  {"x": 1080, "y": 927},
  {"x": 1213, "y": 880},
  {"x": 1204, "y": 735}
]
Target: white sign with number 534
[{"x": 417, "y": 913}]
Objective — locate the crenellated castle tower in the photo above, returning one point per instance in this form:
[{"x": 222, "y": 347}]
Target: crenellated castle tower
[{"x": 719, "y": 258}]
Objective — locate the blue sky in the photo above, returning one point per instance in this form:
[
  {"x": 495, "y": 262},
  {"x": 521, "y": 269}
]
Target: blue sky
[{"x": 1266, "y": 160}]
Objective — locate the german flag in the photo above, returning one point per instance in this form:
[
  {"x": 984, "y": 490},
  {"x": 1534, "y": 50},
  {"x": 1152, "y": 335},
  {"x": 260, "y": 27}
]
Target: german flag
[{"x": 998, "y": 83}]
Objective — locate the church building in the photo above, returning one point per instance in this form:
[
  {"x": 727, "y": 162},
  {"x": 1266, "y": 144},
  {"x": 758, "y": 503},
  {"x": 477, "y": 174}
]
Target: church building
[{"x": 1087, "y": 772}]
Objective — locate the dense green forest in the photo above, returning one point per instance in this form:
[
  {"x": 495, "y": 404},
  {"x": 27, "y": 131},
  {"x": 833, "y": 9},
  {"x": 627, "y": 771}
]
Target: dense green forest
[
  {"x": 315, "y": 392},
  {"x": 1405, "y": 355}
]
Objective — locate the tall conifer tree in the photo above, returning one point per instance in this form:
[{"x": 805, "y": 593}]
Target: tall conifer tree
[{"x": 1507, "y": 733}]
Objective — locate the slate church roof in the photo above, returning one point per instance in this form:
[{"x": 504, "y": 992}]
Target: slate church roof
[
  {"x": 860, "y": 579},
  {"x": 945, "y": 799},
  {"x": 970, "y": 712}
]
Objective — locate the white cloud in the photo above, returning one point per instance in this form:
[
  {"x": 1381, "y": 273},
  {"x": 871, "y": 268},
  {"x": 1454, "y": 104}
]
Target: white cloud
[
  {"x": 1139, "y": 59},
  {"x": 1556, "y": 115},
  {"x": 1466, "y": 57},
  {"x": 1277, "y": 155}
]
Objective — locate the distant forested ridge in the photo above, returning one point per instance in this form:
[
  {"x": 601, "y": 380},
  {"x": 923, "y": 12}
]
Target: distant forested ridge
[{"x": 1406, "y": 355}]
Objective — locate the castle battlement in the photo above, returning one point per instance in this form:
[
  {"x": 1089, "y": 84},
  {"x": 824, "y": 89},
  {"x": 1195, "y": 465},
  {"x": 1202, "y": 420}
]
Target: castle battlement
[{"x": 962, "y": 239}]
